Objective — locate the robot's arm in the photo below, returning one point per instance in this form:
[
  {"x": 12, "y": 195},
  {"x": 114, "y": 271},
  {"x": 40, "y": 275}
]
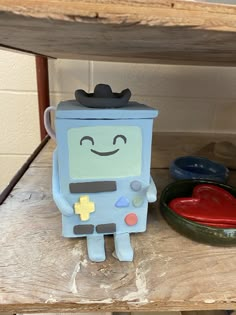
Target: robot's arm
[
  {"x": 151, "y": 193},
  {"x": 60, "y": 201}
]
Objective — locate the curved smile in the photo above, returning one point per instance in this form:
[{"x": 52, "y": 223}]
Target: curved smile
[{"x": 105, "y": 153}]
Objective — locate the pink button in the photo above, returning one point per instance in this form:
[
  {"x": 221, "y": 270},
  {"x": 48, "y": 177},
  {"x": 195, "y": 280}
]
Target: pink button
[{"x": 131, "y": 219}]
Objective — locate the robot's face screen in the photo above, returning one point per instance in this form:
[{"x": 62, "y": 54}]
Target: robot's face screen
[{"x": 105, "y": 152}]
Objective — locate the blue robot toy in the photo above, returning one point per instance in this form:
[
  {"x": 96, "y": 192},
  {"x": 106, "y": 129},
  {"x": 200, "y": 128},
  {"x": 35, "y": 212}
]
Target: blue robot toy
[{"x": 101, "y": 179}]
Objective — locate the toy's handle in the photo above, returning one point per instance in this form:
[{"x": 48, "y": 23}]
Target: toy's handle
[
  {"x": 47, "y": 122},
  {"x": 151, "y": 191}
]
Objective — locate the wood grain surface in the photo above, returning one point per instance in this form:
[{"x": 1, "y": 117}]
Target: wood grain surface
[
  {"x": 205, "y": 313},
  {"x": 42, "y": 272},
  {"x": 145, "y": 313},
  {"x": 153, "y": 31}
]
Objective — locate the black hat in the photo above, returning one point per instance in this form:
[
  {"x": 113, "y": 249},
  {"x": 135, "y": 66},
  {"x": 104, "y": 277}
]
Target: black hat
[{"x": 103, "y": 97}]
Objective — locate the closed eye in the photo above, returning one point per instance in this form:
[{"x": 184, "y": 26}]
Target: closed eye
[
  {"x": 119, "y": 136},
  {"x": 85, "y": 138}
]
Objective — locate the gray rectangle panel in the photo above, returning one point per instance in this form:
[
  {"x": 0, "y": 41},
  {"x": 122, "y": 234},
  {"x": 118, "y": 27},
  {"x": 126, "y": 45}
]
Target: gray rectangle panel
[{"x": 92, "y": 187}]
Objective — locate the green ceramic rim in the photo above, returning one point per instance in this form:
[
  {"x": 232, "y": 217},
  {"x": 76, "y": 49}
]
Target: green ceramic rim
[{"x": 191, "y": 229}]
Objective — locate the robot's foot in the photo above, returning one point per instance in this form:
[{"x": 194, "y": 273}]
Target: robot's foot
[
  {"x": 95, "y": 246},
  {"x": 123, "y": 248}
]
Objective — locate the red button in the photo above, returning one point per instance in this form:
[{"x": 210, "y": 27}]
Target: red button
[{"x": 131, "y": 219}]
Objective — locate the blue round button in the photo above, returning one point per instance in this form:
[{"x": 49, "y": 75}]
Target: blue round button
[{"x": 136, "y": 185}]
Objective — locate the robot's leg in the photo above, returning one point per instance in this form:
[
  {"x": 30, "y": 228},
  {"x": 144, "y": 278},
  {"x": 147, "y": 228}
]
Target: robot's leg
[
  {"x": 95, "y": 246},
  {"x": 123, "y": 248}
]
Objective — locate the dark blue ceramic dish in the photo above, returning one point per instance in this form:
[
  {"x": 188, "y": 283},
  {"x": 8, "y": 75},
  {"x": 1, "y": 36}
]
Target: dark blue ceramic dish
[{"x": 194, "y": 167}]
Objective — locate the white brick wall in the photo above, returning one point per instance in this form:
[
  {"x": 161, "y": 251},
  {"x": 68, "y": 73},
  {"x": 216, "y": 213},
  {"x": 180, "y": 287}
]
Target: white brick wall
[
  {"x": 19, "y": 127},
  {"x": 191, "y": 99}
]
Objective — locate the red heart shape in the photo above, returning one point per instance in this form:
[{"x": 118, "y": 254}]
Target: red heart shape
[{"x": 209, "y": 204}]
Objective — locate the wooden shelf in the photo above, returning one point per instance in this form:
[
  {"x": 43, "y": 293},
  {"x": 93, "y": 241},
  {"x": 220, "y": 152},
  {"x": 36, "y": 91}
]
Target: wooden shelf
[
  {"x": 42, "y": 272},
  {"x": 154, "y": 31}
]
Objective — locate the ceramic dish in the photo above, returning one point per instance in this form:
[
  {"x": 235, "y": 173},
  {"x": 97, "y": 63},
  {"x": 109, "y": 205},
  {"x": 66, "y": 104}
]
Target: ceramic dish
[
  {"x": 193, "y": 167},
  {"x": 191, "y": 229}
]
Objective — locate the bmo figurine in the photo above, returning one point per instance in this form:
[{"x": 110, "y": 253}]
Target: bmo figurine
[{"x": 101, "y": 179}]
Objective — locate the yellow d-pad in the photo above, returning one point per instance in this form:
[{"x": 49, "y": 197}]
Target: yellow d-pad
[{"x": 84, "y": 207}]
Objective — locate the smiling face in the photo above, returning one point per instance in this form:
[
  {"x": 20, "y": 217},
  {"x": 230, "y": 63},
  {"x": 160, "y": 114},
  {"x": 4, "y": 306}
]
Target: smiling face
[{"x": 105, "y": 152}]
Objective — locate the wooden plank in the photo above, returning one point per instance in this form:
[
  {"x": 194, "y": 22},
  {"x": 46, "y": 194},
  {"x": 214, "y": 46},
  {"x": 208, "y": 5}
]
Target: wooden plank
[
  {"x": 143, "y": 313},
  {"x": 154, "y": 31},
  {"x": 42, "y": 272},
  {"x": 21, "y": 171},
  {"x": 205, "y": 313},
  {"x": 92, "y": 313}
]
